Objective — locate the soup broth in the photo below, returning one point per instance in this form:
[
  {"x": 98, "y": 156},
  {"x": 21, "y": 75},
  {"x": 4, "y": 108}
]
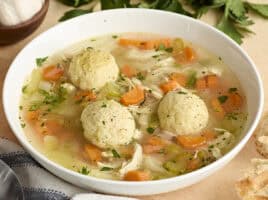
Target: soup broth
[{"x": 174, "y": 106}]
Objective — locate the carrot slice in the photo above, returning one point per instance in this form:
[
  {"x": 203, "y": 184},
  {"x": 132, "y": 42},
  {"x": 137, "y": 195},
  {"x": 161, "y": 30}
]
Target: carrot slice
[
  {"x": 145, "y": 44},
  {"x": 86, "y": 95},
  {"x": 93, "y": 153},
  {"x": 201, "y": 84},
  {"x": 179, "y": 78},
  {"x": 217, "y": 108},
  {"x": 48, "y": 127},
  {"x": 212, "y": 81},
  {"x": 188, "y": 55},
  {"x": 233, "y": 102},
  {"x": 193, "y": 164},
  {"x": 209, "y": 135},
  {"x": 52, "y": 73},
  {"x": 128, "y": 71},
  {"x": 191, "y": 141},
  {"x": 133, "y": 97},
  {"x": 153, "y": 144},
  {"x": 32, "y": 115},
  {"x": 137, "y": 175},
  {"x": 169, "y": 86}
]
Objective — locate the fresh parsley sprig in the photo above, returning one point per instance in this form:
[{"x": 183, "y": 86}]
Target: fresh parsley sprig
[{"x": 234, "y": 20}]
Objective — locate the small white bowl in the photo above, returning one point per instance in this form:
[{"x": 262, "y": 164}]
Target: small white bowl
[{"x": 133, "y": 20}]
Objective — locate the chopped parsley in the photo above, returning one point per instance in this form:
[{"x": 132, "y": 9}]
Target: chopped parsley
[
  {"x": 115, "y": 154},
  {"x": 191, "y": 80},
  {"x": 104, "y": 106},
  {"x": 140, "y": 76},
  {"x": 24, "y": 88},
  {"x": 103, "y": 122},
  {"x": 232, "y": 90},
  {"x": 22, "y": 125},
  {"x": 34, "y": 107},
  {"x": 161, "y": 47},
  {"x": 115, "y": 36},
  {"x": 20, "y": 107},
  {"x": 106, "y": 169},
  {"x": 181, "y": 92},
  {"x": 222, "y": 99},
  {"x": 84, "y": 171},
  {"x": 150, "y": 130},
  {"x": 40, "y": 61},
  {"x": 169, "y": 49}
]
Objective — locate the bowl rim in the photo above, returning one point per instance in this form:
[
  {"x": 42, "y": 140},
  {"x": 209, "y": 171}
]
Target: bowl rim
[
  {"x": 30, "y": 21},
  {"x": 233, "y": 152}
]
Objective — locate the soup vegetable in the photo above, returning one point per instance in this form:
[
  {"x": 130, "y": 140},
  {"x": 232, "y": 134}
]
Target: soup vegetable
[{"x": 133, "y": 106}]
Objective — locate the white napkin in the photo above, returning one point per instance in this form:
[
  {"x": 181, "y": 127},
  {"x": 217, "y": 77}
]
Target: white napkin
[{"x": 38, "y": 183}]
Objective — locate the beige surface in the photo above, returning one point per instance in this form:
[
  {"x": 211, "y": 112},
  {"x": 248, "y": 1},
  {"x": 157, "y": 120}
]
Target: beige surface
[{"x": 220, "y": 185}]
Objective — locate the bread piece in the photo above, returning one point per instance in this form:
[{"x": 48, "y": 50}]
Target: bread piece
[
  {"x": 261, "y": 137},
  {"x": 255, "y": 184}
]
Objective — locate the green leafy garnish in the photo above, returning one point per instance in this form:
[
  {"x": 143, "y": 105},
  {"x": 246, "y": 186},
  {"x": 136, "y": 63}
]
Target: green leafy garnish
[
  {"x": 234, "y": 20},
  {"x": 191, "y": 80},
  {"x": 53, "y": 98},
  {"x": 22, "y": 125},
  {"x": 40, "y": 61},
  {"x": 232, "y": 90},
  {"x": 115, "y": 154},
  {"x": 75, "y": 3},
  {"x": 34, "y": 107},
  {"x": 150, "y": 130},
  {"x": 74, "y": 13},
  {"x": 84, "y": 171},
  {"x": 222, "y": 99},
  {"x": 140, "y": 76},
  {"x": 24, "y": 88},
  {"x": 106, "y": 169},
  {"x": 261, "y": 9}
]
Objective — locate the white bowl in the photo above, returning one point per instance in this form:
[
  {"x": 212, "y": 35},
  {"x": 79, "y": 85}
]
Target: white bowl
[{"x": 133, "y": 20}]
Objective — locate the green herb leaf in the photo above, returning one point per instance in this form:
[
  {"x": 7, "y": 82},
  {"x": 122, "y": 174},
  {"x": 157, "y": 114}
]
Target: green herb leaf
[
  {"x": 112, "y": 4},
  {"x": 22, "y": 125},
  {"x": 140, "y": 76},
  {"x": 191, "y": 80},
  {"x": 75, "y": 3},
  {"x": 24, "y": 88},
  {"x": 106, "y": 169},
  {"x": 222, "y": 99},
  {"x": 232, "y": 90},
  {"x": 115, "y": 154},
  {"x": 40, "y": 61},
  {"x": 236, "y": 7},
  {"x": 226, "y": 26},
  {"x": 74, "y": 13},
  {"x": 150, "y": 130},
  {"x": 34, "y": 107},
  {"x": 261, "y": 9},
  {"x": 84, "y": 171}
]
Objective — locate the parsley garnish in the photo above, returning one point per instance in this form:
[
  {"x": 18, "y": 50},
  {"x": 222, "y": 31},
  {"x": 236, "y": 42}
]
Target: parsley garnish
[
  {"x": 150, "y": 130},
  {"x": 106, "y": 169},
  {"x": 181, "y": 92},
  {"x": 234, "y": 17},
  {"x": 40, "y": 61},
  {"x": 140, "y": 76},
  {"x": 115, "y": 154},
  {"x": 22, "y": 125},
  {"x": 24, "y": 88},
  {"x": 191, "y": 80},
  {"x": 232, "y": 90},
  {"x": 84, "y": 171},
  {"x": 222, "y": 99},
  {"x": 114, "y": 36},
  {"x": 104, "y": 106}
]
